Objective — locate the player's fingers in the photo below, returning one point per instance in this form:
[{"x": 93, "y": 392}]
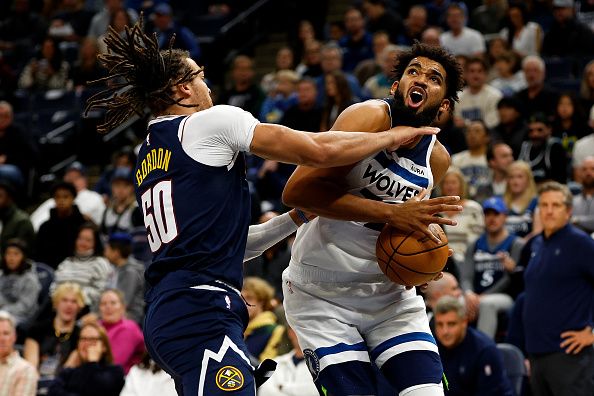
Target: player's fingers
[
  {"x": 442, "y": 220},
  {"x": 424, "y": 287},
  {"x": 567, "y": 334},
  {"x": 427, "y": 131},
  {"x": 422, "y": 194},
  {"x": 434, "y": 209},
  {"x": 439, "y": 276},
  {"x": 450, "y": 252},
  {"x": 425, "y": 230},
  {"x": 448, "y": 199}
]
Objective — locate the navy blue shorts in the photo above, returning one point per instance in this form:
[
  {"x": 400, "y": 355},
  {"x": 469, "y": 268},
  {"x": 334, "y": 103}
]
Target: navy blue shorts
[{"x": 196, "y": 335}]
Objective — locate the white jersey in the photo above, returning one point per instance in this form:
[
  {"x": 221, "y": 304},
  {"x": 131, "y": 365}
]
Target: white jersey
[{"x": 349, "y": 246}]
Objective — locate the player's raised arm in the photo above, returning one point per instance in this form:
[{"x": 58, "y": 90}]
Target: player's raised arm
[{"x": 326, "y": 149}]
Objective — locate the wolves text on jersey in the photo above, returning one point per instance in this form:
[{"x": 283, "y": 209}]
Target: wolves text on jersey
[{"x": 388, "y": 186}]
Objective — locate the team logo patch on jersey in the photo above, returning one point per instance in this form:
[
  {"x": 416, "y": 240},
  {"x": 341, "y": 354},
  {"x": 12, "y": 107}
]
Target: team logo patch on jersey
[
  {"x": 312, "y": 362},
  {"x": 229, "y": 378}
]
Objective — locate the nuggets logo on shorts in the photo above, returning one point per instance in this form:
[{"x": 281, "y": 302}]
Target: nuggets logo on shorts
[
  {"x": 229, "y": 378},
  {"x": 312, "y": 362}
]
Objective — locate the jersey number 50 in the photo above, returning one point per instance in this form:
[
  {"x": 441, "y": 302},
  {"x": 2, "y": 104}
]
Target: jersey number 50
[{"x": 159, "y": 217}]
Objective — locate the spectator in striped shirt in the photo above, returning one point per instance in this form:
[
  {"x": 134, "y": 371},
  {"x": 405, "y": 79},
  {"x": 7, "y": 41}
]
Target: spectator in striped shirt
[{"x": 86, "y": 266}]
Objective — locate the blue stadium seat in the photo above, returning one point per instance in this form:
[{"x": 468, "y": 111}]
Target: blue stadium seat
[
  {"x": 54, "y": 100},
  {"x": 513, "y": 362}
]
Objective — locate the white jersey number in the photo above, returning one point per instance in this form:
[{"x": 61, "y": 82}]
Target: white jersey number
[{"x": 159, "y": 217}]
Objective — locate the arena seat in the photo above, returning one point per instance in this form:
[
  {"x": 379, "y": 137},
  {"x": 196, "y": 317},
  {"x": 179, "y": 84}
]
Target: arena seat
[{"x": 513, "y": 362}]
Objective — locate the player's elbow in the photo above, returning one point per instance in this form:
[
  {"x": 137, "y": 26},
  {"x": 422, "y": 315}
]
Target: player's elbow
[{"x": 296, "y": 190}]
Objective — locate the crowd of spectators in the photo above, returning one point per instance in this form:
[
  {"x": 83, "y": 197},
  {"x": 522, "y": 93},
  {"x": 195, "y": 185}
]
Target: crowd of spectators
[{"x": 71, "y": 282}]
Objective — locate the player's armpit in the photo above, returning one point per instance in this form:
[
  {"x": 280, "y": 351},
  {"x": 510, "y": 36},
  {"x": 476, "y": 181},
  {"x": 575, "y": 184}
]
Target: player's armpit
[{"x": 440, "y": 162}]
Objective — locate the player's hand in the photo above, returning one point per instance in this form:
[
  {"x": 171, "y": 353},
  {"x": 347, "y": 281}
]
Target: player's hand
[
  {"x": 424, "y": 286},
  {"x": 405, "y": 134},
  {"x": 575, "y": 341},
  {"x": 416, "y": 214}
]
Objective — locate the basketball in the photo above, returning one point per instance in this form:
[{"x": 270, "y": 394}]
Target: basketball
[{"x": 411, "y": 259}]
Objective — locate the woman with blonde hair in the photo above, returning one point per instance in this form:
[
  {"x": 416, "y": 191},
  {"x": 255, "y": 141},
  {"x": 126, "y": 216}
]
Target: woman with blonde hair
[
  {"x": 521, "y": 200},
  {"x": 471, "y": 221},
  {"x": 49, "y": 342},
  {"x": 89, "y": 369},
  {"x": 263, "y": 334}
]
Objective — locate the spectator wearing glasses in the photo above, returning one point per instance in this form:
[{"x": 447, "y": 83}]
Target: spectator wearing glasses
[{"x": 90, "y": 367}]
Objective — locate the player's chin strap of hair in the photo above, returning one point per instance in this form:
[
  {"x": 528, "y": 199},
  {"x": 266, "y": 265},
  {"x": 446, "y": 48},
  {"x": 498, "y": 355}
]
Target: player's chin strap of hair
[{"x": 301, "y": 215}]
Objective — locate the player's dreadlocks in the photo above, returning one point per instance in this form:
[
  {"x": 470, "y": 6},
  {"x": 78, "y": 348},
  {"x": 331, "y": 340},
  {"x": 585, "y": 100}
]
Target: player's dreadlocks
[{"x": 143, "y": 76}]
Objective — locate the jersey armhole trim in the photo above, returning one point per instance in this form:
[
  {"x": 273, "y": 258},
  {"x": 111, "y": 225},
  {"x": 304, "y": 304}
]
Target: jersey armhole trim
[{"x": 182, "y": 128}]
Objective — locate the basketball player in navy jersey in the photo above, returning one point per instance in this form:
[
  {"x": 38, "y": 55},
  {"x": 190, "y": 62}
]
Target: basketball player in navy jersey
[
  {"x": 191, "y": 187},
  {"x": 346, "y": 312}
]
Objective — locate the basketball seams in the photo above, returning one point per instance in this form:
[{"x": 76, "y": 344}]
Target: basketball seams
[
  {"x": 415, "y": 271},
  {"x": 392, "y": 230},
  {"x": 390, "y": 257},
  {"x": 387, "y": 252},
  {"x": 422, "y": 251}
]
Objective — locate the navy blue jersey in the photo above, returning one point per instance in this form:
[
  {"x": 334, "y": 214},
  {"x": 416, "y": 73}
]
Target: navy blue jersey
[
  {"x": 488, "y": 266},
  {"x": 196, "y": 215}
]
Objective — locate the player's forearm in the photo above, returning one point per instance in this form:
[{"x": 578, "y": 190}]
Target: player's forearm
[
  {"x": 265, "y": 235},
  {"x": 344, "y": 148},
  {"x": 325, "y": 199},
  {"x": 318, "y": 150}
]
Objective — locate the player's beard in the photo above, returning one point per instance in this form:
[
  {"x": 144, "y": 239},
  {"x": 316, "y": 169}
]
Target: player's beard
[{"x": 412, "y": 117}]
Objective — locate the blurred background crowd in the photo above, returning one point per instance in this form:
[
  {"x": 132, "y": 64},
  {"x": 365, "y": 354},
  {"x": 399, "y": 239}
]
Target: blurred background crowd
[{"x": 72, "y": 238}]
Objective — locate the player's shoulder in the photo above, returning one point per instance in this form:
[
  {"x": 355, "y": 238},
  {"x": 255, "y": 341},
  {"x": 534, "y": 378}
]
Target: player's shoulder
[
  {"x": 368, "y": 116},
  {"x": 218, "y": 110}
]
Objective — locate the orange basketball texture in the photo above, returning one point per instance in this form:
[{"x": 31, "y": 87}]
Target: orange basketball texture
[{"x": 411, "y": 259}]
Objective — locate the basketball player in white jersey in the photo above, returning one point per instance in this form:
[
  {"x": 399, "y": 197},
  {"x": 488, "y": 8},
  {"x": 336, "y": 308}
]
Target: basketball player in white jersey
[{"x": 346, "y": 312}]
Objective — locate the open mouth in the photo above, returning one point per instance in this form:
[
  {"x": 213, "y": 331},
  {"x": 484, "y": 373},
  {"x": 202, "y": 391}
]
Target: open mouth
[{"x": 416, "y": 97}]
